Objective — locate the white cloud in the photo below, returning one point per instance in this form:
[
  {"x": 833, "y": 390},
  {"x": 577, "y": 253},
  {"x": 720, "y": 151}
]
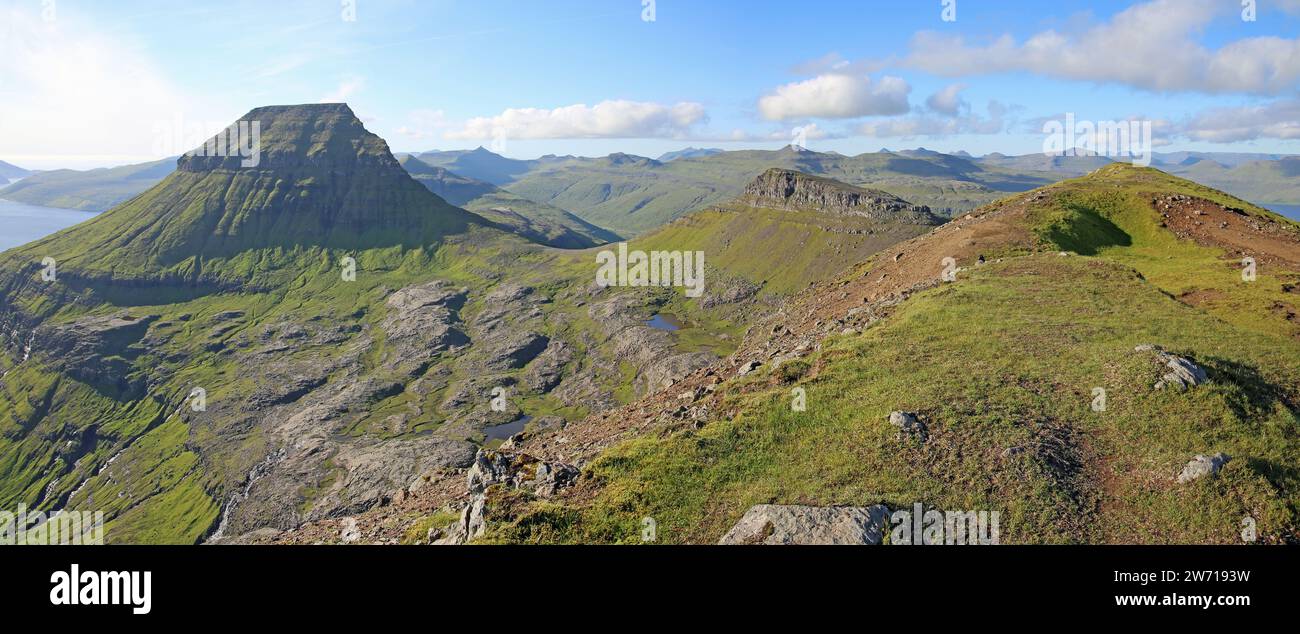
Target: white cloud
[
  {"x": 930, "y": 125},
  {"x": 948, "y": 100},
  {"x": 1276, "y": 120},
  {"x": 834, "y": 63},
  {"x": 345, "y": 89},
  {"x": 424, "y": 124},
  {"x": 810, "y": 132},
  {"x": 76, "y": 97},
  {"x": 606, "y": 120},
  {"x": 836, "y": 96},
  {"x": 1148, "y": 46}
]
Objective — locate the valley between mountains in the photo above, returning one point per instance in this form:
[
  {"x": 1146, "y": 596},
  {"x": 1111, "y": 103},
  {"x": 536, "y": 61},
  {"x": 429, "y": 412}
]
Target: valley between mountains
[{"x": 393, "y": 351}]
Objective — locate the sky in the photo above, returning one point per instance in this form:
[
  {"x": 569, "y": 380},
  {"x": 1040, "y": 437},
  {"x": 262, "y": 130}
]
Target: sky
[{"x": 88, "y": 83}]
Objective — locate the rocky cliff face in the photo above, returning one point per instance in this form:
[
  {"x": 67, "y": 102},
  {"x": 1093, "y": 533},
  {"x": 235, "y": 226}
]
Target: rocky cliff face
[
  {"x": 285, "y": 137},
  {"x": 795, "y": 191}
]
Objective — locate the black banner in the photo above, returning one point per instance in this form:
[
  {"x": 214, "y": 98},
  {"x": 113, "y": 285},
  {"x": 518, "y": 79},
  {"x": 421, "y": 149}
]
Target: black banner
[{"x": 1220, "y": 582}]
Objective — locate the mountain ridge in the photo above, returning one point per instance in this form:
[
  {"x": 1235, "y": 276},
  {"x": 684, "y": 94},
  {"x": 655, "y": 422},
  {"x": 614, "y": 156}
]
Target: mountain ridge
[
  {"x": 539, "y": 222},
  {"x": 1053, "y": 292},
  {"x": 789, "y": 189}
]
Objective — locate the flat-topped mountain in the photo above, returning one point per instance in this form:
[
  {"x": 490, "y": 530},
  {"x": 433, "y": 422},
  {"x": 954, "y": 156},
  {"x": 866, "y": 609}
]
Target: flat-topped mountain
[
  {"x": 787, "y": 189},
  {"x": 318, "y": 180}
]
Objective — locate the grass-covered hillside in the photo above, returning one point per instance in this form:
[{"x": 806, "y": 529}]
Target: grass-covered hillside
[
  {"x": 88, "y": 190},
  {"x": 1001, "y": 366},
  {"x": 632, "y": 195},
  {"x": 241, "y": 351},
  {"x": 539, "y": 222},
  {"x": 9, "y": 172}
]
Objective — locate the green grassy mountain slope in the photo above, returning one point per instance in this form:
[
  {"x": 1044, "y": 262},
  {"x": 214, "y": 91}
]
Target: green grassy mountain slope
[
  {"x": 323, "y": 395},
  {"x": 1265, "y": 181},
  {"x": 789, "y": 229},
  {"x": 89, "y": 190},
  {"x": 1001, "y": 365},
  {"x": 631, "y": 195},
  {"x": 223, "y": 278},
  {"x": 9, "y": 172},
  {"x": 213, "y": 221},
  {"x": 536, "y": 221}
]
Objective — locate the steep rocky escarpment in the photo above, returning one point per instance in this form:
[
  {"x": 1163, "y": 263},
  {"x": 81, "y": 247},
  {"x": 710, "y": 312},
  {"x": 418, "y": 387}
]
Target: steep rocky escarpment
[{"x": 791, "y": 190}]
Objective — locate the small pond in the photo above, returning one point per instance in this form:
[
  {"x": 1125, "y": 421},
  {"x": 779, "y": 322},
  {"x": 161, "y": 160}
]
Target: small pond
[
  {"x": 665, "y": 321},
  {"x": 506, "y": 430}
]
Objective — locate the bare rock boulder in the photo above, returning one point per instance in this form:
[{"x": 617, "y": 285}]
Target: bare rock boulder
[
  {"x": 909, "y": 425},
  {"x": 1182, "y": 372},
  {"x": 1202, "y": 466},
  {"x": 773, "y": 524}
]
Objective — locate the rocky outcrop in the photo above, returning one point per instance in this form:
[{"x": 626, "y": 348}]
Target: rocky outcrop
[
  {"x": 95, "y": 350},
  {"x": 519, "y": 471},
  {"x": 1182, "y": 373},
  {"x": 1203, "y": 466},
  {"x": 514, "y": 470},
  {"x": 786, "y": 189},
  {"x": 545, "y": 372},
  {"x": 772, "y": 524},
  {"x": 909, "y": 426},
  {"x": 470, "y": 526},
  {"x": 516, "y": 350},
  {"x": 421, "y": 323}
]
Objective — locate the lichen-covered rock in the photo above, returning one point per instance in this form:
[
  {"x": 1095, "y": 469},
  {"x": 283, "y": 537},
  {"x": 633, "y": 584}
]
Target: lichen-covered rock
[
  {"x": 809, "y": 525},
  {"x": 909, "y": 425},
  {"x": 470, "y": 526},
  {"x": 1202, "y": 466},
  {"x": 1182, "y": 373},
  {"x": 519, "y": 471}
]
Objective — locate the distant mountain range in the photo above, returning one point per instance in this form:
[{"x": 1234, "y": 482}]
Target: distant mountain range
[
  {"x": 88, "y": 190},
  {"x": 690, "y": 152},
  {"x": 624, "y": 194},
  {"x": 537, "y": 221},
  {"x": 11, "y": 172}
]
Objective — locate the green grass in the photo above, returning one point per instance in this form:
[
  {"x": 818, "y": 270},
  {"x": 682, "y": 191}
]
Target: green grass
[
  {"x": 419, "y": 531},
  {"x": 796, "y": 248},
  {"x": 1108, "y": 213},
  {"x": 1002, "y": 366},
  {"x": 1006, "y": 358},
  {"x": 633, "y": 197}
]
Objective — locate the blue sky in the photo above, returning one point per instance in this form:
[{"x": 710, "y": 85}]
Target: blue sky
[{"x": 93, "y": 83}]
